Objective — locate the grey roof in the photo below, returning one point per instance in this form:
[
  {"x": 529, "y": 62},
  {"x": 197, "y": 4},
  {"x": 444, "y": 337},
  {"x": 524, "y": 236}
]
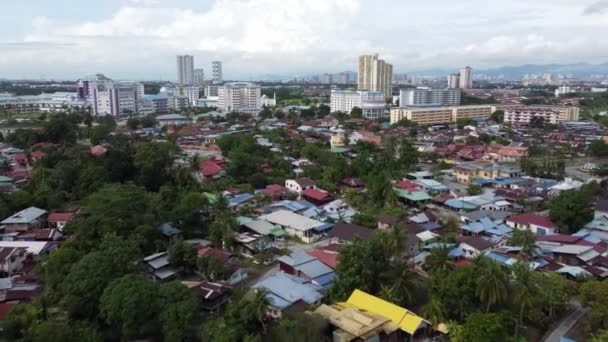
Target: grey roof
[
  {"x": 314, "y": 269},
  {"x": 171, "y": 117},
  {"x": 491, "y": 214},
  {"x": 296, "y": 258},
  {"x": 285, "y": 290},
  {"x": 158, "y": 260},
  {"x": 25, "y": 216},
  {"x": 260, "y": 227}
]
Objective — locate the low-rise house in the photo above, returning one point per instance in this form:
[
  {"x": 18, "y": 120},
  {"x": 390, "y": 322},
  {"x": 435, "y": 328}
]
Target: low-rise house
[
  {"x": 159, "y": 268},
  {"x": 326, "y": 256},
  {"x": 307, "y": 229},
  {"x": 169, "y": 231},
  {"x": 303, "y": 265},
  {"x": 287, "y": 293},
  {"x": 47, "y": 234},
  {"x": 317, "y": 196},
  {"x": 98, "y": 151},
  {"x": 275, "y": 191},
  {"x": 601, "y": 208},
  {"x": 213, "y": 295},
  {"x": 352, "y": 183},
  {"x": 574, "y": 255},
  {"x": 60, "y": 219},
  {"x": 299, "y": 185},
  {"x": 34, "y": 249},
  {"x": 234, "y": 272},
  {"x": 466, "y": 173},
  {"x": 240, "y": 200},
  {"x": 538, "y": 224},
  {"x": 11, "y": 260},
  {"x": 566, "y": 185},
  {"x": 344, "y": 233},
  {"x": 25, "y": 220},
  {"x": 211, "y": 169},
  {"x": 433, "y": 187},
  {"x": 473, "y": 246}
]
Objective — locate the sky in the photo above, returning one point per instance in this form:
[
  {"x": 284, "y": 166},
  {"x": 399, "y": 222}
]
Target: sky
[{"x": 139, "y": 39}]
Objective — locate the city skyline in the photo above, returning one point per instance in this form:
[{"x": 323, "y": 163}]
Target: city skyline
[{"x": 138, "y": 39}]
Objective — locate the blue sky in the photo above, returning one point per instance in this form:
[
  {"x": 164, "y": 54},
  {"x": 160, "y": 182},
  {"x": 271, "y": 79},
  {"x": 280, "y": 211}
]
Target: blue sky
[{"x": 140, "y": 38}]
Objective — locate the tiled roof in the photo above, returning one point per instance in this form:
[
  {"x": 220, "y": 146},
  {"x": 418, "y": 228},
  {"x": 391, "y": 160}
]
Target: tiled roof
[
  {"x": 317, "y": 195},
  {"x": 538, "y": 220},
  {"x": 60, "y": 216}
]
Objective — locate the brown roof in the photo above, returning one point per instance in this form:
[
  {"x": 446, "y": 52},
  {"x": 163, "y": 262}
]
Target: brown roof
[
  {"x": 348, "y": 231},
  {"x": 476, "y": 242},
  {"x": 305, "y": 182}
]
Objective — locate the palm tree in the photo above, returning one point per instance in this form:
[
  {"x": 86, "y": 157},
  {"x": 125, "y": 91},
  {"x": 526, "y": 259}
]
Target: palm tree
[
  {"x": 433, "y": 311},
  {"x": 492, "y": 284},
  {"x": 258, "y": 305},
  {"x": 402, "y": 288},
  {"x": 438, "y": 259},
  {"x": 523, "y": 290}
]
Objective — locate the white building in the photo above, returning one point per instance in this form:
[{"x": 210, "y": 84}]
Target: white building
[
  {"x": 185, "y": 69},
  {"x": 240, "y": 97},
  {"x": 429, "y": 97},
  {"x": 524, "y": 115},
  {"x": 454, "y": 81},
  {"x": 372, "y": 103},
  {"x": 268, "y": 102},
  {"x": 375, "y": 74},
  {"x": 117, "y": 98},
  {"x": 218, "y": 76},
  {"x": 52, "y": 102},
  {"x": 466, "y": 78},
  {"x": 563, "y": 90},
  {"x": 199, "y": 77}
]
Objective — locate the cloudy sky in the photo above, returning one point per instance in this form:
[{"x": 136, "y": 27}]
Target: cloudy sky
[{"x": 140, "y": 38}]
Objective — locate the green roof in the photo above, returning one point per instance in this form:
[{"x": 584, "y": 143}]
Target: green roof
[
  {"x": 4, "y": 179},
  {"x": 339, "y": 150},
  {"x": 277, "y": 232},
  {"x": 241, "y": 220},
  {"x": 412, "y": 196},
  {"x": 212, "y": 198}
]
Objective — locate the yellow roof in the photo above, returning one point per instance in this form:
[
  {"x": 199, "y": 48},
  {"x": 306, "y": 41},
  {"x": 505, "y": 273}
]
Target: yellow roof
[{"x": 404, "y": 319}]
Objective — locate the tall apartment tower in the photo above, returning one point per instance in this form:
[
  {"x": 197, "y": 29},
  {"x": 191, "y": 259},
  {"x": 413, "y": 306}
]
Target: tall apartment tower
[
  {"x": 466, "y": 78},
  {"x": 199, "y": 77},
  {"x": 185, "y": 69},
  {"x": 454, "y": 81},
  {"x": 216, "y": 67},
  {"x": 375, "y": 75}
]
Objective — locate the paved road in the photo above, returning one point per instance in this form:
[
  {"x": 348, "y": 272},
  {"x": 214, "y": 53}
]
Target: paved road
[{"x": 566, "y": 324}]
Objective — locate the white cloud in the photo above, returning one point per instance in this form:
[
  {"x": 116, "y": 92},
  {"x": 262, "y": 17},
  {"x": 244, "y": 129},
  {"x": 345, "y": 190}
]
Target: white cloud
[{"x": 256, "y": 37}]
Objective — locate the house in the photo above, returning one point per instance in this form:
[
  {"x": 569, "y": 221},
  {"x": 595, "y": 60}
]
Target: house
[
  {"x": 169, "y": 231},
  {"x": 159, "y": 268},
  {"x": 59, "y": 219},
  {"x": 239, "y": 200},
  {"x": 287, "y": 293},
  {"x": 235, "y": 273},
  {"x": 343, "y": 233},
  {"x": 473, "y": 246},
  {"x": 328, "y": 257},
  {"x": 368, "y": 318},
  {"x": 11, "y": 260},
  {"x": 213, "y": 295},
  {"x": 574, "y": 255},
  {"x": 299, "y": 185},
  {"x": 307, "y": 229},
  {"x": 250, "y": 244},
  {"x": 35, "y": 249},
  {"x": 303, "y": 265},
  {"x": 566, "y": 185},
  {"x": 433, "y": 187},
  {"x": 352, "y": 183},
  {"x": 173, "y": 119},
  {"x": 538, "y": 224},
  {"x": 47, "y": 234},
  {"x": 25, "y": 220},
  {"x": 317, "y": 196},
  {"x": 211, "y": 169},
  {"x": 466, "y": 173},
  {"x": 275, "y": 191}
]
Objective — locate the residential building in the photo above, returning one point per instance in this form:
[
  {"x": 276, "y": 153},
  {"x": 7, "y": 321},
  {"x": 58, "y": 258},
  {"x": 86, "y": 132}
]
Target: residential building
[
  {"x": 375, "y": 75},
  {"x": 346, "y": 233},
  {"x": 216, "y": 68},
  {"x": 266, "y": 101},
  {"x": 51, "y": 102},
  {"x": 299, "y": 185},
  {"x": 11, "y": 260},
  {"x": 454, "y": 81},
  {"x": 466, "y": 78},
  {"x": 159, "y": 268},
  {"x": 117, "y": 98},
  {"x": 467, "y": 173},
  {"x": 240, "y": 97},
  {"x": 189, "y": 91},
  {"x": 372, "y": 103},
  {"x": 212, "y": 91},
  {"x": 60, "y": 219},
  {"x": 440, "y": 115},
  {"x": 24, "y": 220},
  {"x": 199, "y": 77},
  {"x": 538, "y": 224},
  {"x": 85, "y": 87},
  {"x": 185, "y": 69},
  {"x": 550, "y": 114},
  {"x": 301, "y": 264},
  {"x": 213, "y": 295},
  {"x": 429, "y": 97},
  {"x": 287, "y": 293},
  {"x": 306, "y": 229},
  {"x": 173, "y": 120}
]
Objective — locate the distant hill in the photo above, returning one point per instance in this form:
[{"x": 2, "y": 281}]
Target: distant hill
[{"x": 579, "y": 70}]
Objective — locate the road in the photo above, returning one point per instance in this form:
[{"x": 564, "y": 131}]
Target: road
[{"x": 567, "y": 323}]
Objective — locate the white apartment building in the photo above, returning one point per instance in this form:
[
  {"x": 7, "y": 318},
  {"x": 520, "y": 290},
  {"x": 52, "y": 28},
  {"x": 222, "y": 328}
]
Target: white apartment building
[
  {"x": 565, "y": 113},
  {"x": 429, "y": 97},
  {"x": 216, "y": 68},
  {"x": 466, "y": 78},
  {"x": 240, "y": 97},
  {"x": 51, "y": 102},
  {"x": 86, "y": 86},
  {"x": 522, "y": 115},
  {"x": 372, "y": 103},
  {"x": 454, "y": 81},
  {"x": 199, "y": 77},
  {"x": 375, "y": 75},
  {"x": 185, "y": 69},
  {"x": 118, "y": 98}
]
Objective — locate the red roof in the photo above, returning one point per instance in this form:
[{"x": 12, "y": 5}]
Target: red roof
[
  {"x": 98, "y": 150},
  {"x": 45, "y": 234},
  {"x": 462, "y": 263},
  {"x": 527, "y": 219},
  {"x": 60, "y": 217},
  {"x": 210, "y": 168},
  {"x": 560, "y": 238},
  {"x": 216, "y": 252},
  {"x": 442, "y": 198},
  {"x": 38, "y": 154},
  {"x": 19, "y": 157},
  {"x": 407, "y": 185},
  {"x": 5, "y": 308},
  {"x": 317, "y": 195},
  {"x": 274, "y": 190},
  {"x": 328, "y": 258}
]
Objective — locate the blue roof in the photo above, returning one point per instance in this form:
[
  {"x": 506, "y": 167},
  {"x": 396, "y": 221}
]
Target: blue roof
[
  {"x": 438, "y": 245},
  {"x": 508, "y": 180},
  {"x": 239, "y": 199},
  {"x": 325, "y": 280},
  {"x": 430, "y": 226},
  {"x": 167, "y": 229},
  {"x": 456, "y": 253},
  {"x": 292, "y": 205},
  {"x": 482, "y": 181},
  {"x": 459, "y": 204},
  {"x": 499, "y": 258},
  {"x": 314, "y": 269},
  {"x": 324, "y": 227},
  {"x": 285, "y": 290}
]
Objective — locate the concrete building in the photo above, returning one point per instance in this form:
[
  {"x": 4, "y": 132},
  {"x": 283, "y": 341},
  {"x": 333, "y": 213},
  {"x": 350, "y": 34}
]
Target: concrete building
[
  {"x": 466, "y": 78},
  {"x": 185, "y": 69},
  {"x": 51, "y": 102},
  {"x": 240, "y": 97},
  {"x": 454, "y": 81},
  {"x": 327, "y": 79},
  {"x": 440, "y": 115},
  {"x": 211, "y": 91},
  {"x": 375, "y": 75},
  {"x": 429, "y": 97},
  {"x": 266, "y": 101},
  {"x": 216, "y": 68},
  {"x": 117, "y": 98},
  {"x": 199, "y": 77},
  {"x": 162, "y": 103},
  {"x": 372, "y": 103},
  {"x": 86, "y": 86},
  {"x": 551, "y": 114}
]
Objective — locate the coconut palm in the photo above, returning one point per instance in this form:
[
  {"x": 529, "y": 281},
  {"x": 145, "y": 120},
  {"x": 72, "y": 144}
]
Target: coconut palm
[
  {"x": 492, "y": 284},
  {"x": 258, "y": 305},
  {"x": 433, "y": 311},
  {"x": 523, "y": 290},
  {"x": 438, "y": 260}
]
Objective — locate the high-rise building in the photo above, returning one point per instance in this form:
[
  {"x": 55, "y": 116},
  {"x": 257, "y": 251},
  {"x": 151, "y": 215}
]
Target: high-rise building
[
  {"x": 218, "y": 76},
  {"x": 199, "y": 77},
  {"x": 466, "y": 78},
  {"x": 454, "y": 81},
  {"x": 117, "y": 98},
  {"x": 429, "y": 97},
  {"x": 86, "y": 86},
  {"x": 343, "y": 78},
  {"x": 327, "y": 79},
  {"x": 375, "y": 75},
  {"x": 185, "y": 69},
  {"x": 372, "y": 103},
  {"x": 240, "y": 97}
]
